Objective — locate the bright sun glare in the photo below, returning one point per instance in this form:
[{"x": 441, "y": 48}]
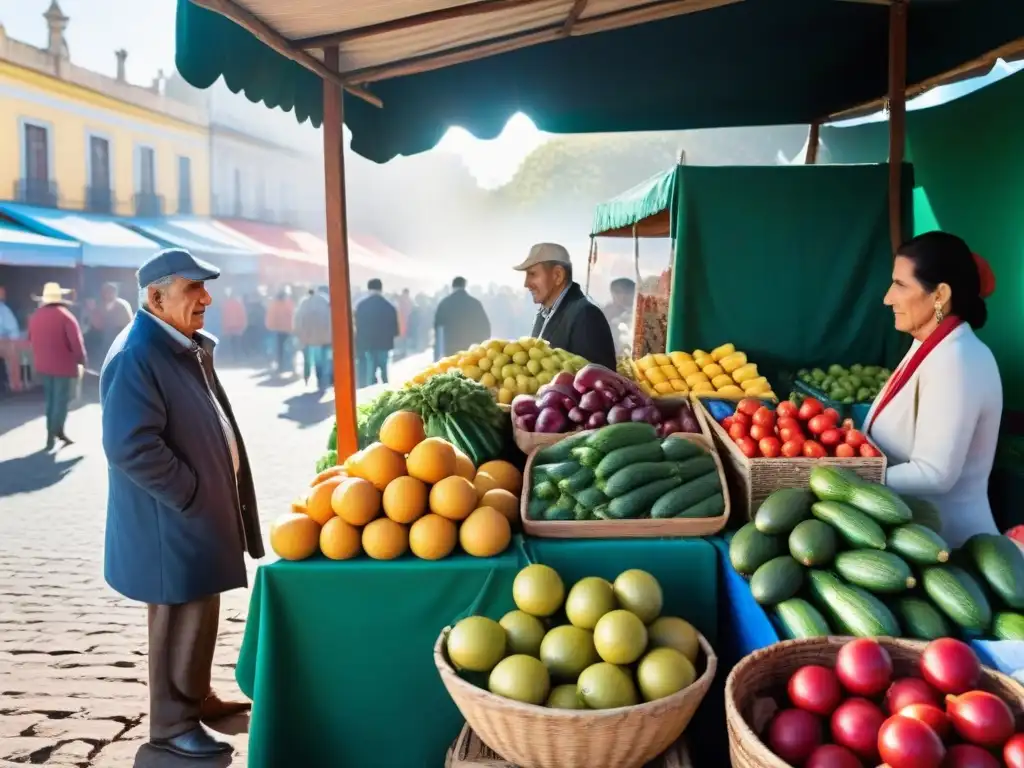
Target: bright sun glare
[{"x": 494, "y": 163}]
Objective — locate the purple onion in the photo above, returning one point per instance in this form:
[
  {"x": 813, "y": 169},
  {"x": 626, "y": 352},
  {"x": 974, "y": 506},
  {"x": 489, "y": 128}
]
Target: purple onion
[
  {"x": 526, "y": 423},
  {"x": 592, "y": 401},
  {"x": 578, "y": 416},
  {"x": 619, "y": 414},
  {"x": 596, "y": 420}
]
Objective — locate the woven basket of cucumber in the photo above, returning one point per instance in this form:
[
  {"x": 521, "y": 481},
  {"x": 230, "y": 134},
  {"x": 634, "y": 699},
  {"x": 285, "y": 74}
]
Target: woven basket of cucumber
[
  {"x": 840, "y": 701},
  {"x": 624, "y": 481}
]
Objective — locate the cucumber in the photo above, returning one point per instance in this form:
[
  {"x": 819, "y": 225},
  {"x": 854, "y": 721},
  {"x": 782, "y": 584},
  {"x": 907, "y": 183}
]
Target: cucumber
[
  {"x": 537, "y": 508},
  {"x": 1008, "y": 626},
  {"x": 856, "y": 528},
  {"x": 799, "y": 619},
  {"x": 878, "y": 572},
  {"x": 854, "y": 611},
  {"x": 638, "y": 502},
  {"x": 591, "y": 497},
  {"x": 750, "y": 549},
  {"x": 563, "y": 509},
  {"x": 624, "y": 457},
  {"x": 559, "y": 472},
  {"x": 958, "y": 595},
  {"x": 924, "y": 513},
  {"x": 918, "y": 544},
  {"x": 880, "y": 503},
  {"x": 678, "y": 502},
  {"x": 813, "y": 543},
  {"x": 777, "y": 580},
  {"x": 680, "y": 449},
  {"x": 580, "y": 512},
  {"x": 601, "y": 512},
  {"x": 712, "y": 506},
  {"x": 607, "y": 439},
  {"x": 560, "y": 451},
  {"x": 1001, "y": 564},
  {"x": 782, "y": 510},
  {"x": 638, "y": 475},
  {"x": 698, "y": 466},
  {"x": 832, "y": 483},
  {"x": 581, "y": 479},
  {"x": 586, "y": 456},
  {"x": 546, "y": 491},
  {"x": 921, "y": 620}
]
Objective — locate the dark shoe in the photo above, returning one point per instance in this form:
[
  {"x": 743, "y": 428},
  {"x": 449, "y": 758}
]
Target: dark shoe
[
  {"x": 65, "y": 439},
  {"x": 197, "y": 743},
  {"x": 215, "y": 708}
]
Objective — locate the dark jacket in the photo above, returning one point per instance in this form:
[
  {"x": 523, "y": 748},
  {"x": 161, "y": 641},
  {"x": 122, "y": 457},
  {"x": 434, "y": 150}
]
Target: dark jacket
[
  {"x": 177, "y": 520},
  {"x": 460, "y": 322},
  {"x": 580, "y": 327},
  {"x": 376, "y": 324}
]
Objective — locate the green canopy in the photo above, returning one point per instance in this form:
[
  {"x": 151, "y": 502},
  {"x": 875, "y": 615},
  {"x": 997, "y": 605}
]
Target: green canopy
[
  {"x": 755, "y": 62},
  {"x": 645, "y": 206}
]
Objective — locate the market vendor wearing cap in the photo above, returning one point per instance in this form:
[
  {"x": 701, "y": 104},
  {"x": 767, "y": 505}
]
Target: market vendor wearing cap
[
  {"x": 181, "y": 507},
  {"x": 937, "y": 420},
  {"x": 567, "y": 318}
]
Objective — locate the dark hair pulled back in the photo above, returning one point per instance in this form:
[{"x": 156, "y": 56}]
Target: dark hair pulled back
[{"x": 940, "y": 257}]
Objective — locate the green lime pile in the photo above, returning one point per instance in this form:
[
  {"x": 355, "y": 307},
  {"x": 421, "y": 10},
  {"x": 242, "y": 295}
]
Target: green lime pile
[
  {"x": 856, "y": 384},
  {"x": 614, "y": 648}
]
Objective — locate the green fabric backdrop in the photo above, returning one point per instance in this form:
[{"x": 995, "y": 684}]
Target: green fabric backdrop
[{"x": 790, "y": 263}]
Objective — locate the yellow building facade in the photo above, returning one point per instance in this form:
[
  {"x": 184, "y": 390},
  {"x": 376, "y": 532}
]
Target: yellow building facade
[{"x": 77, "y": 140}]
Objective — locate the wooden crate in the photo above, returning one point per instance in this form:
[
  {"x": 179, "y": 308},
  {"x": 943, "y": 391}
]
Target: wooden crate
[
  {"x": 751, "y": 481},
  {"x": 469, "y": 751}
]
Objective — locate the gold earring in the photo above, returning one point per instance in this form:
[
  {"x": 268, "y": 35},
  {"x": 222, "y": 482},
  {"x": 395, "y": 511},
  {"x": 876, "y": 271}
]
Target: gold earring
[{"x": 939, "y": 314}]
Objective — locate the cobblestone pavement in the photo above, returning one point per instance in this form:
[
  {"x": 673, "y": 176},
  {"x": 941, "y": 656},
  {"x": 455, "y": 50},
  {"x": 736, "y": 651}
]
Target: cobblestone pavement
[{"x": 72, "y": 652}]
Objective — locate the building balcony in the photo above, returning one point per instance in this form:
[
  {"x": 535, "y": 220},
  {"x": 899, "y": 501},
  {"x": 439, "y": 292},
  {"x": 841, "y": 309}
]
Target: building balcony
[
  {"x": 41, "y": 192},
  {"x": 148, "y": 204},
  {"x": 99, "y": 200}
]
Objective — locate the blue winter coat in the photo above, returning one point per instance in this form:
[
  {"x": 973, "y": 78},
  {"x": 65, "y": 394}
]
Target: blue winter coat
[{"x": 177, "y": 521}]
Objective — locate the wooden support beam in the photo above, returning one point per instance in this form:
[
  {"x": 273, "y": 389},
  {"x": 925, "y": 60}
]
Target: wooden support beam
[
  {"x": 578, "y": 7},
  {"x": 337, "y": 263},
  {"x": 897, "y": 116},
  {"x": 813, "y": 140},
  {"x": 278, "y": 42}
]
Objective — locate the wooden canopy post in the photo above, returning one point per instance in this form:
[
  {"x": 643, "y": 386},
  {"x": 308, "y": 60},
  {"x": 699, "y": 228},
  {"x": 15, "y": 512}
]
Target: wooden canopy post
[
  {"x": 337, "y": 261},
  {"x": 813, "y": 141},
  {"x": 897, "y": 116}
]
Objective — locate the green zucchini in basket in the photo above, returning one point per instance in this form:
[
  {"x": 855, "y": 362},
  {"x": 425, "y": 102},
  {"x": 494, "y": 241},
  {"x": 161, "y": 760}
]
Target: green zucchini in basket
[
  {"x": 621, "y": 458},
  {"x": 637, "y": 502},
  {"x": 678, "y": 501},
  {"x": 799, "y": 619},
  {"x": 586, "y": 456},
  {"x": 712, "y": 506},
  {"x": 558, "y": 472},
  {"x": 560, "y": 451},
  {"x": 577, "y": 481},
  {"x": 680, "y": 449},
  {"x": 546, "y": 491},
  {"x": 591, "y": 497},
  {"x": 563, "y": 509},
  {"x": 537, "y": 508},
  {"x": 637, "y": 475}
]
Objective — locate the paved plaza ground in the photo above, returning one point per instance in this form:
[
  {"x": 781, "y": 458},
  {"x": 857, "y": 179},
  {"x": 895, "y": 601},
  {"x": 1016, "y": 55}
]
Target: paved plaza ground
[{"x": 72, "y": 652}]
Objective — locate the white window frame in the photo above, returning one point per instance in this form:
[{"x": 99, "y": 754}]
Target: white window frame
[
  {"x": 137, "y": 175},
  {"x": 91, "y": 134},
  {"x": 24, "y": 122}
]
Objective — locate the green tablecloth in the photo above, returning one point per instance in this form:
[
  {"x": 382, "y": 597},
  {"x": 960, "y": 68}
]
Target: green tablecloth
[{"x": 337, "y": 656}]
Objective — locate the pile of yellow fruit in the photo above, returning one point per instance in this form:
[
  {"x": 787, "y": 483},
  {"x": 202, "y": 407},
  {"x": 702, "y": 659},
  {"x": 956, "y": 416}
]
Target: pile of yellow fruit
[
  {"x": 406, "y": 492},
  {"x": 509, "y": 367},
  {"x": 723, "y": 372}
]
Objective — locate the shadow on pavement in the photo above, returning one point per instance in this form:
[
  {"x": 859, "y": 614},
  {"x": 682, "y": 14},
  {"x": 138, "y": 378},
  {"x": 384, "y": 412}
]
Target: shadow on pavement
[
  {"x": 272, "y": 379},
  {"x": 307, "y": 409},
  {"x": 34, "y": 472},
  {"x": 19, "y": 409}
]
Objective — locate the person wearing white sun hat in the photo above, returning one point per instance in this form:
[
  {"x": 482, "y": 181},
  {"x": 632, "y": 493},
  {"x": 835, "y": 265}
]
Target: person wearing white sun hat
[{"x": 58, "y": 353}]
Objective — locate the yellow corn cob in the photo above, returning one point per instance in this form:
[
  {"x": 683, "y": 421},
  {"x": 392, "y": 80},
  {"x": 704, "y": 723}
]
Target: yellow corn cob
[
  {"x": 697, "y": 378},
  {"x": 731, "y": 362},
  {"x": 647, "y": 388},
  {"x": 661, "y": 359},
  {"x": 699, "y": 353},
  {"x": 713, "y": 370},
  {"x": 702, "y": 386},
  {"x": 664, "y": 388},
  {"x": 759, "y": 383},
  {"x": 656, "y": 375},
  {"x": 722, "y": 380},
  {"x": 758, "y": 391},
  {"x": 670, "y": 372},
  {"x": 679, "y": 357},
  {"x": 687, "y": 368},
  {"x": 723, "y": 351},
  {"x": 679, "y": 385},
  {"x": 730, "y": 391},
  {"x": 638, "y": 373},
  {"x": 744, "y": 372}
]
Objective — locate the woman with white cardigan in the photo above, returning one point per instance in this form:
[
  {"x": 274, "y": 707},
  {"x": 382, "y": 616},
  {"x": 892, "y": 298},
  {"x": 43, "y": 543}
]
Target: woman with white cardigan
[{"x": 937, "y": 420}]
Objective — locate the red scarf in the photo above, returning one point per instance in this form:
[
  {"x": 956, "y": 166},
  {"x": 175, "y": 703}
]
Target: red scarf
[{"x": 907, "y": 370}]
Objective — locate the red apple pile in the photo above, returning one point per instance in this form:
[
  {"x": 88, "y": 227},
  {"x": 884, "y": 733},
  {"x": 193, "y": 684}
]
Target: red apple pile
[
  {"x": 857, "y": 715},
  {"x": 810, "y": 431}
]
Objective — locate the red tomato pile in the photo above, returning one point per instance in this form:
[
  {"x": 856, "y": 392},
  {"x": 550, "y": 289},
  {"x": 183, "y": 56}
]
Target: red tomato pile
[
  {"x": 810, "y": 431},
  {"x": 858, "y": 716}
]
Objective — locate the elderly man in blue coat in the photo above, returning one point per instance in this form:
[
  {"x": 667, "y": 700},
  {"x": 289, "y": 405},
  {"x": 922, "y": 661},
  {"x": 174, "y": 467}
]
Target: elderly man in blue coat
[{"x": 181, "y": 509}]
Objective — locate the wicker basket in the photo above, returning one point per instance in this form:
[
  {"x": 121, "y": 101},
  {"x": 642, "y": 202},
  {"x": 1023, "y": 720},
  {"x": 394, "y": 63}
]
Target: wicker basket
[
  {"x": 469, "y": 751},
  {"x": 538, "y": 737},
  {"x": 753, "y": 480},
  {"x": 644, "y": 528},
  {"x": 763, "y": 674},
  {"x": 529, "y": 442}
]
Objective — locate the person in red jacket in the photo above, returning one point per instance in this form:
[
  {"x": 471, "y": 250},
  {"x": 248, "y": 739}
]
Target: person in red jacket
[{"x": 58, "y": 353}]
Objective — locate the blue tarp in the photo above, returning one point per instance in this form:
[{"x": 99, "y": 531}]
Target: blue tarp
[
  {"x": 20, "y": 247},
  {"x": 202, "y": 237},
  {"x": 103, "y": 241}
]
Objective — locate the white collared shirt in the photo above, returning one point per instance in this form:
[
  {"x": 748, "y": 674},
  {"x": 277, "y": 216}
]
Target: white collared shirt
[{"x": 548, "y": 312}]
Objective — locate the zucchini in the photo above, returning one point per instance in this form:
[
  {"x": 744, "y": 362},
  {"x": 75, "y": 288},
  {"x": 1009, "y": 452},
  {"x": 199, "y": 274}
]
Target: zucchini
[
  {"x": 833, "y": 483},
  {"x": 918, "y": 544},
  {"x": 537, "y": 508},
  {"x": 637, "y": 475},
  {"x": 1001, "y": 564},
  {"x": 880, "y": 503},
  {"x": 624, "y": 457},
  {"x": 546, "y": 491},
  {"x": 607, "y": 439},
  {"x": 558, "y": 472},
  {"x": 712, "y": 506},
  {"x": 591, "y": 497},
  {"x": 561, "y": 511},
  {"x": 601, "y": 512},
  {"x": 680, "y": 449},
  {"x": 580, "y": 512},
  {"x": 777, "y": 580},
  {"x": 813, "y": 543},
  {"x": 878, "y": 572},
  {"x": 1008, "y": 626},
  {"x": 698, "y": 466},
  {"x": 678, "y": 501},
  {"x": 750, "y": 549},
  {"x": 560, "y": 451},
  {"x": 579, "y": 480},
  {"x": 800, "y": 619},
  {"x": 856, "y": 528},
  {"x": 782, "y": 510},
  {"x": 637, "y": 503},
  {"x": 921, "y": 620},
  {"x": 958, "y": 595},
  {"x": 854, "y": 611},
  {"x": 924, "y": 513},
  {"x": 586, "y": 456}
]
